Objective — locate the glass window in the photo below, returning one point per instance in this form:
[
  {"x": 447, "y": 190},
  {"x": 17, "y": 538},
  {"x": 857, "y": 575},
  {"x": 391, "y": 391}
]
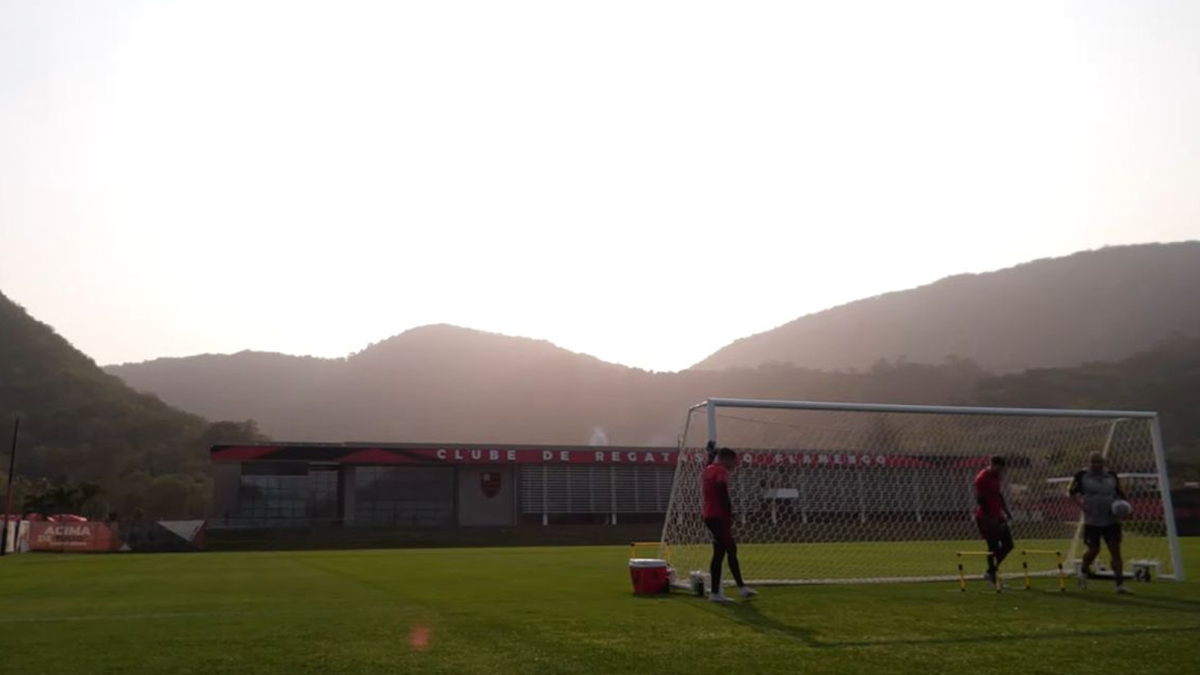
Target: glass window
[
  {"x": 324, "y": 485},
  {"x": 405, "y": 495},
  {"x": 286, "y": 494}
]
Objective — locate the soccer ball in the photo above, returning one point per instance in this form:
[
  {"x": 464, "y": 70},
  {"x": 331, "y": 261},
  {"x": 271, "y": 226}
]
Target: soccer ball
[{"x": 1122, "y": 509}]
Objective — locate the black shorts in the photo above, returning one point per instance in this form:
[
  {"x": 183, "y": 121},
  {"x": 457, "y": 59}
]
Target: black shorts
[
  {"x": 721, "y": 529},
  {"x": 993, "y": 530},
  {"x": 1092, "y": 534}
]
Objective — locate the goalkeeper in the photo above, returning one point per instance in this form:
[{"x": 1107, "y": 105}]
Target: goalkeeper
[
  {"x": 717, "y": 511},
  {"x": 992, "y": 516},
  {"x": 1095, "y": 489}
]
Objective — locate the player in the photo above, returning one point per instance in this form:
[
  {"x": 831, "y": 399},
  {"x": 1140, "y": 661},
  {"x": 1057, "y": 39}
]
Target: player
[
  {"x": 992, "y": 516},
  {"x": 1095, "y": 489},
  {"x": 718, "y": 516}
]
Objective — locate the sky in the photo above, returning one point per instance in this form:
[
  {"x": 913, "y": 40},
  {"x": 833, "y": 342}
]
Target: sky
[{"x": 643, "y": 181}]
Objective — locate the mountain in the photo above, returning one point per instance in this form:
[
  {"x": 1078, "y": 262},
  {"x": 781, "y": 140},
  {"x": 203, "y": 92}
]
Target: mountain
[
  {"x": 450, "y": 384},
  {"x": 80, "y": 424},
  {"x": 447, "y": 384},
  {"x": 1165, "y": 379},
  {"x": 430, "y": 383},
  {"x": 1094, "y": 305},
  {"x": 278, "y": 389},
  {"x": 414, "y": 384}
]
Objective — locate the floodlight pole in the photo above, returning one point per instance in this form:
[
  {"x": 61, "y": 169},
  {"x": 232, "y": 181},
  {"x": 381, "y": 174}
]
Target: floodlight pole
[{"x": 12, "y": 470}]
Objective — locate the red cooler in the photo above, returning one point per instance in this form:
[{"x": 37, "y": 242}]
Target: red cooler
[{"x": 649, "y": 575}]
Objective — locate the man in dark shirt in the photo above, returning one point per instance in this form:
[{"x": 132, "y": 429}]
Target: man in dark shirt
[
  {"x": 717, "y": 511},
  {"x": 992, "y": 516}
]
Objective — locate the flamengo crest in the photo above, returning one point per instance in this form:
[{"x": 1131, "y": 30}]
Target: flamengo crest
[{"x": 490, "y": 482}]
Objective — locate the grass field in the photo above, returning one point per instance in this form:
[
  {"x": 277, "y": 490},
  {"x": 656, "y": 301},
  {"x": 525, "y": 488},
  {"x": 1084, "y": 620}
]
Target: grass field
[{"x": 552, "y": 610}]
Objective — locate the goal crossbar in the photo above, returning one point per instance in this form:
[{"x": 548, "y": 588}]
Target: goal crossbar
[{"x": 927, "y": 409}]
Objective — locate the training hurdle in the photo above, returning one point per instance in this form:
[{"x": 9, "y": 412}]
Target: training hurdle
[
  {"x": 1062, "y": 581},
  {"x": 962, "y": 578}
]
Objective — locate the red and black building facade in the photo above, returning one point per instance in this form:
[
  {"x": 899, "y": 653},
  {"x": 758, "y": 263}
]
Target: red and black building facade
[
  {"x": 441, "y": 485},
  {"x": 437, "y": 485}
]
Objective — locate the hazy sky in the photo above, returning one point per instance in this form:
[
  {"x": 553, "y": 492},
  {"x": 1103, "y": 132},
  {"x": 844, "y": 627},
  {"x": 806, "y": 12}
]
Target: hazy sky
[{"x": 643, "y": 181}]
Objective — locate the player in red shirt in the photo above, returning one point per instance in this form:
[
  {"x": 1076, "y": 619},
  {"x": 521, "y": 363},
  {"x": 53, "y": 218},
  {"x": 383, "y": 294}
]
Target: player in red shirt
[
  {"x": 718, "y": 516},
  {"x": 992, "y": 516}
]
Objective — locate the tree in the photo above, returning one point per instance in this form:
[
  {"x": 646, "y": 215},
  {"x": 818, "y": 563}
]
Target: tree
[{"x": 60, "y": 498}]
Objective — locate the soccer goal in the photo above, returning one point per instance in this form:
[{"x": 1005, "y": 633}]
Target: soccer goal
[{"x": 858, "y": 493}]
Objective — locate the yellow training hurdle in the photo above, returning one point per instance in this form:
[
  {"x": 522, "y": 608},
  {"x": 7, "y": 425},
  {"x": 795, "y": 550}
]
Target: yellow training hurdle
[
  {"x": 962, "y": 579},
  {"x": 1062, "y": 581}
]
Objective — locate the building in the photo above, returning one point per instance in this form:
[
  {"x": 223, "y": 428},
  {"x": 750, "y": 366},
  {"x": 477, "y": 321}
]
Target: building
[{"x": 426, "y": 485}]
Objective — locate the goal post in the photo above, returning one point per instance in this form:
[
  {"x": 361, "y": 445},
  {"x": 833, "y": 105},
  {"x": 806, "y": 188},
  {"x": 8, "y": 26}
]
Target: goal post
[{"x": 859, "y": 493}]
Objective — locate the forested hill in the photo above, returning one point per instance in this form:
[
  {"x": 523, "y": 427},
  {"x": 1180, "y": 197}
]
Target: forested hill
[
  {"x": 80, "y": 424},
  {"x": 428, "y": 383},
  {"x": 446, "y": 384},
  {"x": 1094, "y": 305},
  {"x": 1165, "y": 380},
  {"x": 443, "y": 383}
]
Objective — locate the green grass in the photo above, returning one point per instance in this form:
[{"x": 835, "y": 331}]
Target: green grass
[{"x": 552, "y": 610}]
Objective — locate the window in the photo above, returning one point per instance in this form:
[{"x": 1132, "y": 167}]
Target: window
[
  {"x": 266, "y": 500},
  {"x": 324, "y": 484},
  {"x": 286, "y": 494},
  {"x": 579, "y": 489},
  {"x": 407, "y": 496}
]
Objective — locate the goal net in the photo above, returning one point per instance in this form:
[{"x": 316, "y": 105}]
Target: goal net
[{"x": 850, "y": 493}]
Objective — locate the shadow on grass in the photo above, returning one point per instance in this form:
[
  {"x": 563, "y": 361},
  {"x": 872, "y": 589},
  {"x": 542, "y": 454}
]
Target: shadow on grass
[
  {"x": 1110, "y": 599},
  {"x": 748, "y": 615}
]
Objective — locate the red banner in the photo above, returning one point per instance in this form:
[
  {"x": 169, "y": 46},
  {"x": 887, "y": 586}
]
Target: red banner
[
  {"x": 659, "y": 457},
  {"x": 548, "y": 455},
  {"x": 598, "y": 456},
  {"x": 82, "y": 537},
  {"x": 812, "y": 460}
]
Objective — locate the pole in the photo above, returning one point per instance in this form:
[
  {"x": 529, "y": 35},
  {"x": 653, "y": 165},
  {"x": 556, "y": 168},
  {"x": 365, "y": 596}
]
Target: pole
[
  {"x": 1164, "y": 488},
  {"x": 12, "y": 471},
  {"x": 712, "y": 422}
]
